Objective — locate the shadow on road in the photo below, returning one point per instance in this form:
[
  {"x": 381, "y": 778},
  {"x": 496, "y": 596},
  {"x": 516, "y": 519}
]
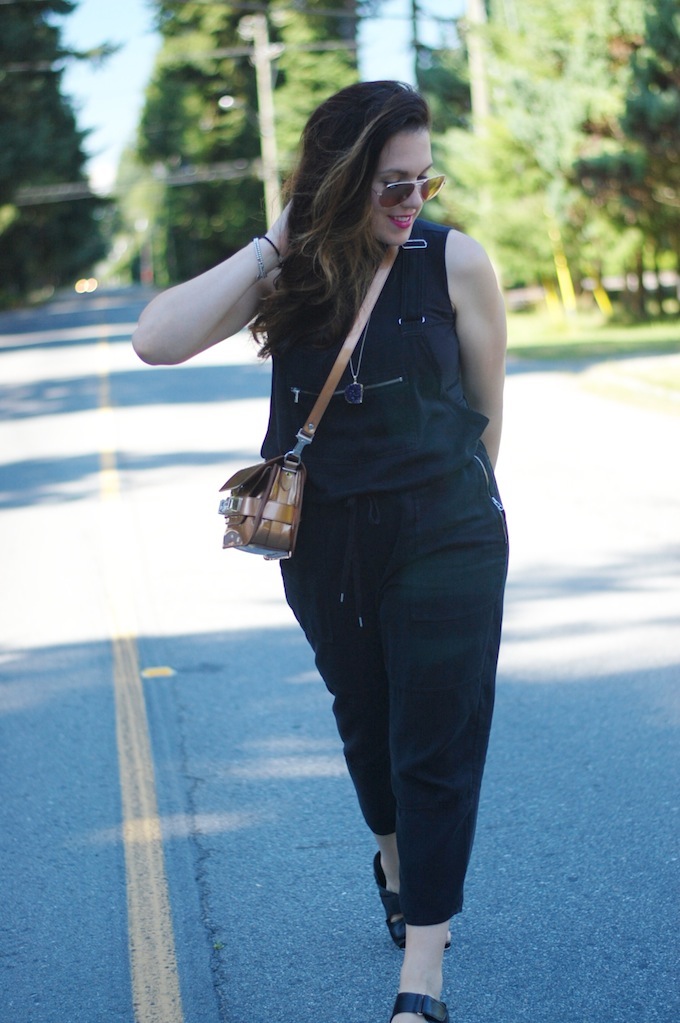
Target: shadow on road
[
  {"x": 568, "y": 915},
  {"x": 175, "y": 385}
]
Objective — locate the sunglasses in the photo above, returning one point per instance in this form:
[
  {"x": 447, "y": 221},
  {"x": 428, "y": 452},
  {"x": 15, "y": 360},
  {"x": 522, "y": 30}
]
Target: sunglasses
[{"x": 397, "y": 191}]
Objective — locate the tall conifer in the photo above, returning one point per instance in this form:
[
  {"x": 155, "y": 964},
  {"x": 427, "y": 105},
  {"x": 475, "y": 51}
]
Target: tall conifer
[{"x": 45, "y": 241}]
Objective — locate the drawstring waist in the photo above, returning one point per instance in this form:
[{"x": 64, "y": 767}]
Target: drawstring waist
[{"x": 351, "y": 565}]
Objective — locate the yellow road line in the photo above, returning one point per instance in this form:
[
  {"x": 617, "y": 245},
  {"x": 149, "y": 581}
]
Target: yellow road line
[{"x": 155, "y": 981}]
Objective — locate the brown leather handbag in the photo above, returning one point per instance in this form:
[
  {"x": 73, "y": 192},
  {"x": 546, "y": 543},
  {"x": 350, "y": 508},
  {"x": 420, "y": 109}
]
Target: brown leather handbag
[
  {"x": 264, "y": 502},
  {"x": 262, "y": 511}
]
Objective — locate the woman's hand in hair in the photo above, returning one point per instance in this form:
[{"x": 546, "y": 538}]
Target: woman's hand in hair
[
  {"x": 278, "y": 232},
  {"x": 185, "y": 320}
]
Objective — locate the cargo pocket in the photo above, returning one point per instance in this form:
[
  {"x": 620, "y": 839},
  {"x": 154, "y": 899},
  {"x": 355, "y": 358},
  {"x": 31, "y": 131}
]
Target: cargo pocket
[
  {"x": 456, "y": 583},
  {"x": 491, "y": 491},
  {"x": 453, "y": 597}
]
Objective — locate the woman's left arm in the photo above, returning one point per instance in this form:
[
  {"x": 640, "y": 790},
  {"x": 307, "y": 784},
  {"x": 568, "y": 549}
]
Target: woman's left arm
[{"x": 481, "y": 328}]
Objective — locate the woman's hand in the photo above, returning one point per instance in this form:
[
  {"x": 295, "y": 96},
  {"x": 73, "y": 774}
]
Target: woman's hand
[{"x": 278, "y": 232}]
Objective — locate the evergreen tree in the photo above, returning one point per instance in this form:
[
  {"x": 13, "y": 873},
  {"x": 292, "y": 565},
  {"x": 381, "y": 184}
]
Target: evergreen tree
[
  {"x": 550, "y": 77},
  {"x": 186, "y": 124},
  {"x": 319, "y": 57},
  {"x": 200, "y": 119},
  {"x": 46, "y": 243},
  {"x": 652, "y": 113},
  {"x": 634, "y": 170},
  {"x": 443, "y": 78}
]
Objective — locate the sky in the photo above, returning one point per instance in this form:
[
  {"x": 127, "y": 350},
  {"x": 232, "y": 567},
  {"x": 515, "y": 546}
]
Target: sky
[{"x": 108, "y": 100}]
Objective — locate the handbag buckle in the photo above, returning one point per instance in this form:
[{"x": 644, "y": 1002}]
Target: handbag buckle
[
  {"x": 229, "y": 505},
  {"x": 294, "y": 456}
]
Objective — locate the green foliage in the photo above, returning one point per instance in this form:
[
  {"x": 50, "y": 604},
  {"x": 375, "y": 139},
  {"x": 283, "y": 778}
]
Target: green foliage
[
  {"x": 47, "y": 244},
  {"x": 194, "y": 224},
  {"x": 443, "y": 78},
  {"x": 201, "y": 113},
  {"x": 305, "y": 75},
  {"x": 578, "y": 159},
  {"x": 631, "y": 170}
]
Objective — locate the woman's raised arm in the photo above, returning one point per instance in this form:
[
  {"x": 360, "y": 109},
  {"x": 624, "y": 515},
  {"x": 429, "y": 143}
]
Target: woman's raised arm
[{"x": 185, "y": 320}]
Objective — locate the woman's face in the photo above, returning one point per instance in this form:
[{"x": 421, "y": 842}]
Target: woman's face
[{"x": 406, "y": 157}]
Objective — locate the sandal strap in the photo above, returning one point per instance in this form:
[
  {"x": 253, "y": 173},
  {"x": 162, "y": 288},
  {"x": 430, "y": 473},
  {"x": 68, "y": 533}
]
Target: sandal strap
[
  {"x": 423, "y": 1005},
  {"x": 392, "y": 906},
  {"x": 394, "y": 917},
  {"x": 390, "y": 900},
  {"x": 397, "y": 929}
]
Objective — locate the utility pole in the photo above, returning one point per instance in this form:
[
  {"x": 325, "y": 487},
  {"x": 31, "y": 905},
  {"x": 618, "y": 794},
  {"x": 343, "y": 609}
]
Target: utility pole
[
  {"x": 415, "y": 39},
  {"x": 253, "y": 28},
  {"x": 479, "y": 90}
]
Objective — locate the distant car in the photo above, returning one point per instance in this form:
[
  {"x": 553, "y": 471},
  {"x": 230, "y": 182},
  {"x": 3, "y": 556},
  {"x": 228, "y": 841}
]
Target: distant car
[{"x": 86, "y": 285}]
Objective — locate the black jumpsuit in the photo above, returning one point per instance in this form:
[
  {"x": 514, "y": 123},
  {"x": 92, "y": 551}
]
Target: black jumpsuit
[{"x": 399, "y": 572}]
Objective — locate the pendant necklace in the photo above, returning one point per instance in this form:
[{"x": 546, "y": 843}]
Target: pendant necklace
[{"x": 354, "y": 392}]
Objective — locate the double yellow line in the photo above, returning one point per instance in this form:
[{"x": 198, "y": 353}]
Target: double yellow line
[{"x": 153, "y": 962}]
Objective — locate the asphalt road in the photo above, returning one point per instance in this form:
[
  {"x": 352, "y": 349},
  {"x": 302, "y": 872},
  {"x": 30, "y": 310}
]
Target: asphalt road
[{"x": 177, "y": 830}]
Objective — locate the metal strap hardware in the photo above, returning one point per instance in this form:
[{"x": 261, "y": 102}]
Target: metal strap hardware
[{"x": 412, "y": 309}]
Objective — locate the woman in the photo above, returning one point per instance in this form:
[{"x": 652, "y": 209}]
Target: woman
[{"x": 400, "y": 564}]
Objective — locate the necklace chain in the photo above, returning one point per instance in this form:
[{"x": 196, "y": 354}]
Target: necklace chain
[
  {"x": 354, "y": 392},
  {"x": 355, "y": 373}
]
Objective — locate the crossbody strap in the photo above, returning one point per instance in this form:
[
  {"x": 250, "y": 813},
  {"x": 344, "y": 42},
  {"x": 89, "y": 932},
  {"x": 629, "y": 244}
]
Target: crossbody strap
[{"x": 306, "y": 433}]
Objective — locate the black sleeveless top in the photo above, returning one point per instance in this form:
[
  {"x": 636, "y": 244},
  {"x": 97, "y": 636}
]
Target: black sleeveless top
[{"x": 413, "y": 425}]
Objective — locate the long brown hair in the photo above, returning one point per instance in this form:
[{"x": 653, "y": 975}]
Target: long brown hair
[{"x": 332, "y": 250}]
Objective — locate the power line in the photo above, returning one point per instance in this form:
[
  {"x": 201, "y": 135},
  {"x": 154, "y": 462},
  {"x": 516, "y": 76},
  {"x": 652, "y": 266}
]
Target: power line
[
  {"x": 37, "y": 195},
  {"x": 295, "y": 8},
  {"x": 248, "y": 51},
  {"x": 321, "y": 12},
  {"x": 190, "y": 174},
  {"x": 229, "y": 170},
  {"x": 47, "y": 66}
]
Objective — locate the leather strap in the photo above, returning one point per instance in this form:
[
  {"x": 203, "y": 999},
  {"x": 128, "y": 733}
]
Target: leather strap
[
  {"x": 423, "y": 1005},
  {"x": 321, "y": 404}
]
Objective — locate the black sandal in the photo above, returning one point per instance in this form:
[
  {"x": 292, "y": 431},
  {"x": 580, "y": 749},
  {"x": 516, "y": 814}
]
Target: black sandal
[
  {"x": 391, "y": 905},
  {"x": 429, "y": 1008}
]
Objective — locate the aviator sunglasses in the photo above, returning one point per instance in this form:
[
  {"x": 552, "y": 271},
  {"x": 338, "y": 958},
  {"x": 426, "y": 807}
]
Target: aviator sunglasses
[{"x": 397, "y": 191}]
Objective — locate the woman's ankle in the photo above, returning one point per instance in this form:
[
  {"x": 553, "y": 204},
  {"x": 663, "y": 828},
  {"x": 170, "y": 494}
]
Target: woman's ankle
[
  {"x": 389, "y": 860},
  {"x": 422, "y": 970},
  {"x": 422, "y": 983}
]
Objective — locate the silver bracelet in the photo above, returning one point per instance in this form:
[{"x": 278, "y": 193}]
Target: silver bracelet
[{"x": 261, "y": 271}]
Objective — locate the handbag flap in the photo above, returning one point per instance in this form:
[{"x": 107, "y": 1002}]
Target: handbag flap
[{"x": 250, "y": 475}]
